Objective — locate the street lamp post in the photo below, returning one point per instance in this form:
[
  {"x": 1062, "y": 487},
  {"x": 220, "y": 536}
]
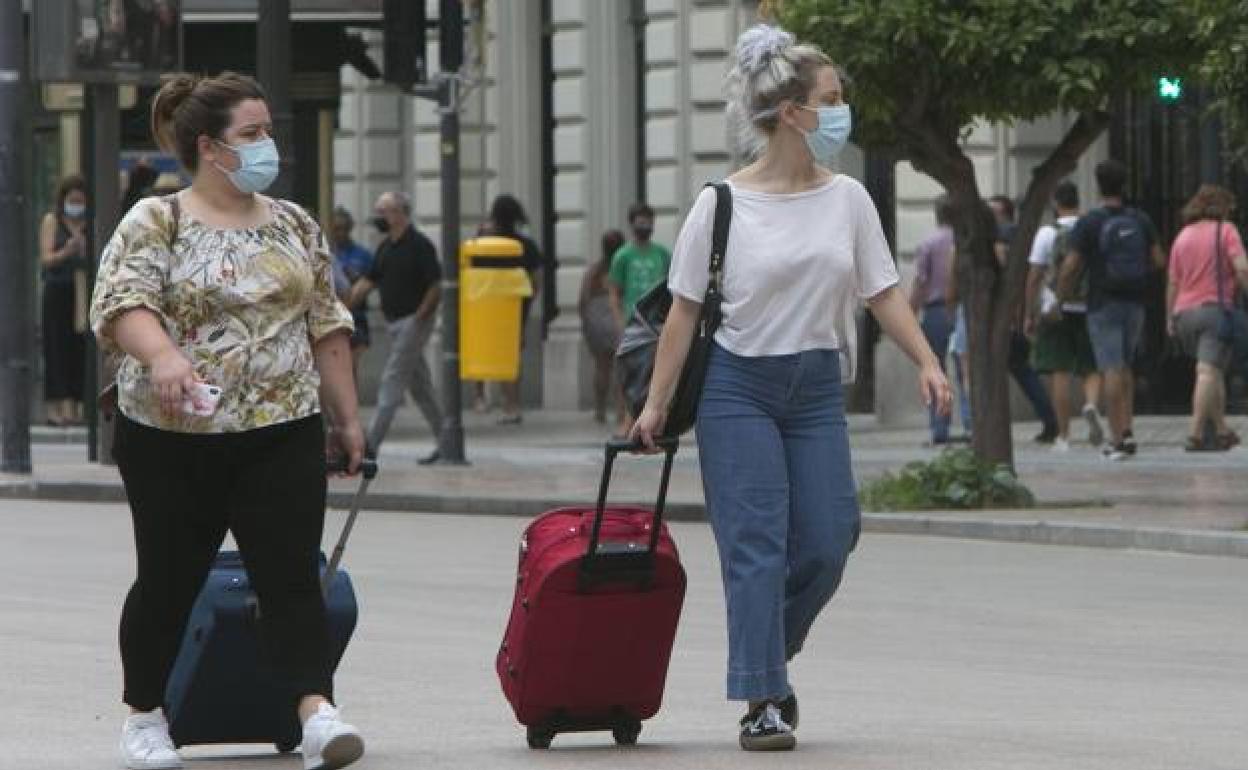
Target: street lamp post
[{"x": 16, "y": 321}]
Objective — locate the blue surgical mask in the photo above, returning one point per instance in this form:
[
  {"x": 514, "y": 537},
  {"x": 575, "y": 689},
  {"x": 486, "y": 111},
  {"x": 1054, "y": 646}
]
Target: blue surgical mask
[
  {"x": 75, "y": 210},
  {"x": 257, "y": 165},
  {"x": 830, "y": 136}
]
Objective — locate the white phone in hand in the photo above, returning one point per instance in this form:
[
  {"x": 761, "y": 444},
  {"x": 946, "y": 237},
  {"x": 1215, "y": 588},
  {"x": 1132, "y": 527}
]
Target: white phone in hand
[{"x": 202, "y": 400}]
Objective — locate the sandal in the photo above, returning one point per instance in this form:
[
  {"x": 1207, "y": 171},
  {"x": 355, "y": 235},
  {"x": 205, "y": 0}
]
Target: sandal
[
  {"x": 1228, "y": 440},
  {"x": 1197, "y": 444}
]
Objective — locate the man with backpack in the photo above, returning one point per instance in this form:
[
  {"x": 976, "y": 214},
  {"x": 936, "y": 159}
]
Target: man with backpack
[
  {"x": 1120, "y": 247},
  {"x": 1062, "y": 347}
]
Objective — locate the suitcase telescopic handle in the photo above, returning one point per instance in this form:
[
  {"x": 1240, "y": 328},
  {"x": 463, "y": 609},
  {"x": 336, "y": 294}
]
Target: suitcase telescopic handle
[
  {"x": 669, "y": 445},
  {"x": 368, "y": 471}
]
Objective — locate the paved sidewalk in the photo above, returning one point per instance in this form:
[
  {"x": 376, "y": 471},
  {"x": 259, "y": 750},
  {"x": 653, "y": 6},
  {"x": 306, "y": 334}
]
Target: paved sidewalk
[
  {"x": 1163, "y": 499},
  {"x": 935, "y": 655}
]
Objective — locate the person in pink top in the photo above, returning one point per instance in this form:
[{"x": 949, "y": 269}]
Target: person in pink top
[{"x": 1207, "y": 252}]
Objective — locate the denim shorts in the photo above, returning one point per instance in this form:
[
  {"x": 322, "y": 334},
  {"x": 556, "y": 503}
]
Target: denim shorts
[{"x": 1115, "y": 328}]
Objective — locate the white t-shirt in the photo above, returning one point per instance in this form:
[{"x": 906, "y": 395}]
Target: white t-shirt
[
  {"x": 796, "y": 268},
  {"x": 1041, "y": 256}
]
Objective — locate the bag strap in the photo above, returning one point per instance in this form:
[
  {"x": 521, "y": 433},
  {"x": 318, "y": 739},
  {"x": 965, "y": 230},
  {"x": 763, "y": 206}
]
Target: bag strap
[
  {"x": 1217, "y": 263},
  {"x": 296, "y": 213},
  {"x": 175, "y": 213},
  {"x": 719, "y": 248}
]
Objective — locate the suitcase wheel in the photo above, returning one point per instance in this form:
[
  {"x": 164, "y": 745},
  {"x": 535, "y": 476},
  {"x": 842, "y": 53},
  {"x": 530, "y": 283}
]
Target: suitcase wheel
[
  {"x": 285, "y": 747},
  {"x": 539, "y": 739},
  {"x": 626, "y": 733}
]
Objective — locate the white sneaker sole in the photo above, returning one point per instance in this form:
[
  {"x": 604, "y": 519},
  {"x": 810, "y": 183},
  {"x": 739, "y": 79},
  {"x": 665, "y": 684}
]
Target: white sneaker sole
[
  {"x": 173, "y": 764},
  {"x": 780, "y": 742},
  {"x": 340, "y": 751}
]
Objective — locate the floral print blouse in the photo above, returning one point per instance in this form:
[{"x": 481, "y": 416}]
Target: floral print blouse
[{"x": 244, "y": 305}]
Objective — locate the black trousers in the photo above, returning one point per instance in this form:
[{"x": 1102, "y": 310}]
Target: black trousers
[{"x": 267, "y": 487}]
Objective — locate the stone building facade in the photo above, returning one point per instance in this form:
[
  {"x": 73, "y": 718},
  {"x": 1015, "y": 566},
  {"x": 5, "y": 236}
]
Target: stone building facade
[{"x": 636, "y": 110}]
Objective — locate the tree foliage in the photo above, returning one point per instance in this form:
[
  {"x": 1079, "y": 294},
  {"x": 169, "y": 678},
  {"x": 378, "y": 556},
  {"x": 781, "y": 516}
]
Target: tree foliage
[
  {"x": 921, "y": 73},
  {"x": 952, "y": 62},
  {"x": 1225, "y": 72}
]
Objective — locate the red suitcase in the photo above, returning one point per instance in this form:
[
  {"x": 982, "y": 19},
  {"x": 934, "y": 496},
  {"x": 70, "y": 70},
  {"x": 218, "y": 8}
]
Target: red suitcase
[{"x": 598, "y": 595}]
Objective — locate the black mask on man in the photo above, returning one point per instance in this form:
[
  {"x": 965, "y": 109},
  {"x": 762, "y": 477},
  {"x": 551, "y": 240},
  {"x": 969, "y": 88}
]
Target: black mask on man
[
  {"x": 643, "y": 233},
  {"x": 381, "y": 224}
]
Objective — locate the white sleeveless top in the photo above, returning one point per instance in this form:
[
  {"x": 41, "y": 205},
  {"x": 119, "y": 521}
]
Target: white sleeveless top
[{"x": 797, "y": 267}]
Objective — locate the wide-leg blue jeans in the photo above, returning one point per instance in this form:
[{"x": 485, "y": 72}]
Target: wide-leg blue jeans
[{"x": 780, "y": 494}]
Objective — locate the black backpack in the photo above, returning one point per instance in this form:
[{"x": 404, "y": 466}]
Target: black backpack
[{"x": 1124, "y": 245}]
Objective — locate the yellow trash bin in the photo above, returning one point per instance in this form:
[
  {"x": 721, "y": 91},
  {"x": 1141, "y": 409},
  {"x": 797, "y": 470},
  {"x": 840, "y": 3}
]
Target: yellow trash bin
[{"x": 492, "y": 285}]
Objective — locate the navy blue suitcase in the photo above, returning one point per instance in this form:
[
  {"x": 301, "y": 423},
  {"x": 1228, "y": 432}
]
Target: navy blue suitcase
[{"x": 220, "y": 689}]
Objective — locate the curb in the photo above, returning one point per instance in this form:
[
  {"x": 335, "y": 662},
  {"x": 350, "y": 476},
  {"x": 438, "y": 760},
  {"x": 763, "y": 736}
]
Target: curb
[{"x": 1194, "y": 542}]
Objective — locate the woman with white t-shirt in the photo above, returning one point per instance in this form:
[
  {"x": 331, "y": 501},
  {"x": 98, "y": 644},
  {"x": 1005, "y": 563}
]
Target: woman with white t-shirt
[{"x": 805, "y": 246}]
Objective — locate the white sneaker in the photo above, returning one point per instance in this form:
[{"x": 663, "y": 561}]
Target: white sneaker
[
  {"x": 328, "y": 742},
  {"x": 145, "y": 743},
  {"x": 1060, "y": 445}
]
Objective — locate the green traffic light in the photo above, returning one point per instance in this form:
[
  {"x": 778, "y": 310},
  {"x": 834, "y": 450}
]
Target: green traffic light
[{"x": 1169, "y": 89}]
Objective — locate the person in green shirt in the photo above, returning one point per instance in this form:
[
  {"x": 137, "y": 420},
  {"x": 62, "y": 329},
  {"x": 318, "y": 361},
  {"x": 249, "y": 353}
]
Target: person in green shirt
[{"x": 637, "y": 266}]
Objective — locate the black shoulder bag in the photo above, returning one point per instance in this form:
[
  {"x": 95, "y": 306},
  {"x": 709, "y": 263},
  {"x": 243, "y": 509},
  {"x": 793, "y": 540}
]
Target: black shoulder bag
[
  {"x": 634, "y": 359},
  {"x": 1233, "y": 330}
]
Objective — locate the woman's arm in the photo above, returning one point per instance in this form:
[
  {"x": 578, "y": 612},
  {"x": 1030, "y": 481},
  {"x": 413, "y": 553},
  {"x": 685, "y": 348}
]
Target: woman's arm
[
  {"x": 898, "y": 321},
  {"x": 49, "y": 255},
  {"x": 669, "y": 359},
  {"x": 338, "y": 397},
  {"x": 139, "y": 333}
]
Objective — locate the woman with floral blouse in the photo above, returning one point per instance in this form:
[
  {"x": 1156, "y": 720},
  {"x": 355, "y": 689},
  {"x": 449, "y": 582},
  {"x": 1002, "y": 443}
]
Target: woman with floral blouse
[{"x": 221, "y": 286}]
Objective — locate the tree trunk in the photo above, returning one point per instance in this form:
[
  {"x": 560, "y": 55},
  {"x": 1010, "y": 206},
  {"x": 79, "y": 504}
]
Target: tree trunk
[
  {"x": 989, "y": 322},
  {"x": 990, "y": 292}
]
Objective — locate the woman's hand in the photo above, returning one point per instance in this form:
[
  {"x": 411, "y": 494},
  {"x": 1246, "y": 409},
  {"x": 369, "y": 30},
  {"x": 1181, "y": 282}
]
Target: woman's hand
[
  {"x": 347, "y": 441},
  {"x": 172, "y": 378},
  {"x": 934, "y": 388},
  {"x": 649, "y": 425}
]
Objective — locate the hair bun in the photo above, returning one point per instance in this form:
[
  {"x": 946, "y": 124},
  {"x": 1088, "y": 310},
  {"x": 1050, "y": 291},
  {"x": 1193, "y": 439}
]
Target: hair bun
[{"x": 758, "y": 45}]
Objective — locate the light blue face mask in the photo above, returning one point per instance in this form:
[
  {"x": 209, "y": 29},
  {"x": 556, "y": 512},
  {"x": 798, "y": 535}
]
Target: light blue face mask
[
  {"x": 830, "y": 136},
  {"x": 257, "y": 165}
]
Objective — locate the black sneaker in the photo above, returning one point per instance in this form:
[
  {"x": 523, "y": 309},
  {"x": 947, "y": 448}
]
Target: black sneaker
[
  {"x": 1128, "y": 442},
  {"x": 1046, "y": 436},
  {"x": 430, "y": 458},
  {"x": 788, "y": 710},
  {"x": 1116, "y": 452},
  {"x": 763, "y": 729}
]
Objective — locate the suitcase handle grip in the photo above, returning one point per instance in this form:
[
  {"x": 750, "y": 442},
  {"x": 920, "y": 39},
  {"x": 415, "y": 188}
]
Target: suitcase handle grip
[
  {"x": 669, "y": 445},
  {"x": 618, "y": 445},
  {"x": 339, "y": 465}
]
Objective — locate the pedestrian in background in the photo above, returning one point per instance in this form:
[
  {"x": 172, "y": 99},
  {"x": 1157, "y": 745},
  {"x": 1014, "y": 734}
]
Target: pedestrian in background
[
  {"x": 959, "y": 346},
  {"x": 806, "y": 246},
  {"x": 508, "y": 220},
  {"x": 355, "y": 262},
  {"x": 933, "y": 262},
  {"x": 407, "y": 273},
  {"x": 1207, "y": 267},
  {"x": 1060, "y": 327},
  {"x": 1120, "y": 247},
  {"x": 140, "y": 183},
  {"x": 638, "y": 266},
  {"x": 224, "y": 286},
  {"x": 602, "y": 335},
  {"x": 64, "y": 261},
  {"x": 1020, "y": 348}
]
